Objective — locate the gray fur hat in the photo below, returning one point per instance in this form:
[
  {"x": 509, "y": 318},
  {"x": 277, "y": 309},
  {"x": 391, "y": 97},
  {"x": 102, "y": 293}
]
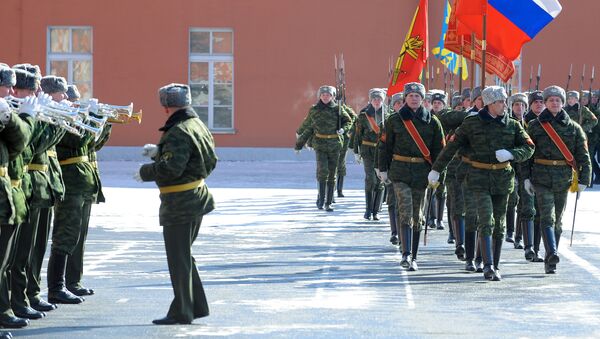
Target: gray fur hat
[
  {"x": 456, "y": 100},
  {"x": 414, "y": 87},
  {"x": 466, "y": 93},
  {"x": 554, "y": 91},
  {"x": 492, "y": 94},
  {"x": 573, "y": 94},
  {"x": 439, "y": 96},
  {"x": 397, "y": 97},
  {"x": 53, "y": 84},
  {"x": 33, "y": 69},
  {"x": 326, "y": 89},
  {"x": 73, "y": 93},
  {"x": 175, "y": 95},
  {"x": 519, "y": 97},
  {"x": 26, "y": 80},
  {"x": 376, "y": 93},
  {"x": 535, "y": 95},
  {"x": 475, "y": 93},
  {"x": 7, "y": 76}
]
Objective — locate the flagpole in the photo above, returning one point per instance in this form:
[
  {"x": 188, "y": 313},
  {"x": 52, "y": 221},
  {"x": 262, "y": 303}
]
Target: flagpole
[
  {"x": 483, "y": 45},
  {"x": 460, "y": 65},
  {"x": 472, "y": 60}
]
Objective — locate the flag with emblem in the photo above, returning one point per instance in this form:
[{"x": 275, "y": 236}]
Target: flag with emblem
[
  {"x": 450, "y": 59},
  {"x": 413, "y": 54}
]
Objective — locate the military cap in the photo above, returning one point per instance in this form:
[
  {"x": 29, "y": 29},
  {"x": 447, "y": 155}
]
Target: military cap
[
  {"x": 535, "y": 95},
  {"x": 73, "y": 93},
  {"x": 33, "y": 69},
  {"x": 585, "y": 94},
  {"x": 414, "y": 87},
  {"x": 376, "y": 93},
  {"x": 456, "y": 101},
  {"x": 573, "y": 94},
  {"x": 475, "y": 93},
  {"x": 466, "y": 93},
  {"x": 53, "y": 84},
  {"x": 554, "y": 91},
  {"x": 492, "y": 94},
  {"x": 26, "y": 80},
  {"x": 175, "y": 95},
  {"x": 326, "y": 89},
  {"x": 519, "y": 97},
  {"x": 441, "y": 96},
  {"x": 397, "y": 97},
  {"x": 7, "y": 76}
]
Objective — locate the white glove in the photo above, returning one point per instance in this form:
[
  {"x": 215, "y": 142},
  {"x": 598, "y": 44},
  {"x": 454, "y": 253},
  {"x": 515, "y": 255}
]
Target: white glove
[
  {"x": 384, "y": 178},
  {"x": 434, "y": 178},
  {"x": 93, "y": 105},
  {"x": 297, "y": 151},
  {"x": 149, "y": 150},
  {"x": 29, "y": 106},
  {"x": 297, "y": 136},
  {"x": 44, "y": 99},
  {"x": 5, "y": 111},
  {"x": 357, "y": 158},
  {"x": 340, "y": 131},
  {"x": 503, "y": 155},
  {"x": 137, "y": 177},
  {"x": 528, "y": 187},
  {"x": 309, "y": 148},
  {"x": 581, "y": 188}
]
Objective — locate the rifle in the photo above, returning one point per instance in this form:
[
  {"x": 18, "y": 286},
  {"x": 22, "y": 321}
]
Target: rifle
[
  {"x": 581, "y": 91},
  {"x": 428, "y": 209},
  {"x": 569, "y": 78},
  {"x": 589, "y": 105},
  {"x": 446, "y": 83},
  {"x": 574, "y": 214},
  {"x": 340, "y": 84},
  {"x": 530, "y": 78},
  {"x": 537, "y": 78}
]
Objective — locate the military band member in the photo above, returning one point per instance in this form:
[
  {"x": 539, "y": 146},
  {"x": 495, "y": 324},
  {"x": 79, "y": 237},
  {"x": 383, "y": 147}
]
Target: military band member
[
  {"x": 326, "y": 124},
  {"x": 495, "y": 140},
  {"x": 412, "y": 140},
  {"x": 183, "y": 159},
  {"x": 561, "y": 160}
]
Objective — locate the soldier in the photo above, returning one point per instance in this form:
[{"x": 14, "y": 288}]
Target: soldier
[
  {"x": 494, "y": 139},
  {"x": 579, "y": 113},
  {"x": 466, "y": 98},
  {"x": 397, "y": 101},
  {"x": 183, "y": 159},
  {"x": 325, "y": 124},
  {"x": 560, "y": 161},
  {"x": 347, "y": 144},
  {"x": 366, "y": 134},
  {"x": 412, "y": 139},
  {"x": 457, "y": 103},
  {"x": 476, "y": 100}
]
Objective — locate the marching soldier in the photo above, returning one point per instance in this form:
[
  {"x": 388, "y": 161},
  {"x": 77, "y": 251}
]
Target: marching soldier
[
  {"x": 579, "y": 113},
  {"x": 495, "y": 140},
  {"x": 411, "y": 141},
  {"x": 397, "y": 101},
  {"x": 326, "y": 124},
  {"x": 183, "y": 159},
  {"x": 561, "y": 161},
  {"x": 347, "y": 144},
  {"x": 466, "y": 98},
  {"x": 366, "y": 134}
]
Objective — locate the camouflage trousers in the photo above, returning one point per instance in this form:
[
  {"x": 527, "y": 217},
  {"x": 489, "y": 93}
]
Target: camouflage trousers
[
  {"x": 526, "y": 205},
  {"x": 409, "y": 203},
  {"x": 455, "y": 196},
  {"x": 513, "y": 198},
  {"x": 327, "y": 165},
  {"x": 440, "y": 192},
  {"x": 469, "y": 202},
  {"x": 552, "y": 207},
  {"x": 491, "y": 212},
  {"x": 341, "y": 171},
  {"x": 372, "y": 182},
  {"x": 67, "y": 223}
]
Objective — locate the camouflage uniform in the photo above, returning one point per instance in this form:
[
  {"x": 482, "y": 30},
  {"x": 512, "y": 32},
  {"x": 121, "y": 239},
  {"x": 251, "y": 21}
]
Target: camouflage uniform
[
  {"x": 341, "y": 173},
  {"x": 185, "y": 157},
  {"x": 437, "y": 210}
]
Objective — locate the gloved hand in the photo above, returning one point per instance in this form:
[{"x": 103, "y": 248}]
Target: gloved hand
[
  {"x": 357, "y": 158},
  {"x": 297, "y": 136},
  {"x": 29, "y": 106},
  {"x": 503, "y": 155},
  {"x": 581, "y": 188},
  {"x": 5, "y": 111},
  {"x": 93, "y": 105},
  {"x": 528, "y": 187},
  {"x": 137, "y": 176},
  {"x": 433, "y": 178},
  {"x": 149, "y": 150},
  {"x": 340, "y": 131},
  {"x": 44, "y": 99},
  {"x": 384, "y": 178}
]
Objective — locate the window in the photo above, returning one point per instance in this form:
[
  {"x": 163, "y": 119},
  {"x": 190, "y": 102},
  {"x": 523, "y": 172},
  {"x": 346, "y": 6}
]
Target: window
[
  {"x": 70, "y": 56},
  {"x": 211, "y": 77}
]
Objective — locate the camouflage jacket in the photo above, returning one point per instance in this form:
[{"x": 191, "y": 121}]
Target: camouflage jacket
[
  {"x": 368, "y": 129},
  {"x": 322, "y": 120},
  {"x": 583, "y": 116},
  {"x": 397, "y": 141},
  {"x": 79, "y": 176},
  {"x": 485, "y": 135},
  {"x": 94, "y": 147},
  {"x": 557, "y": 178},
  {"x": 185, "y": 154}
]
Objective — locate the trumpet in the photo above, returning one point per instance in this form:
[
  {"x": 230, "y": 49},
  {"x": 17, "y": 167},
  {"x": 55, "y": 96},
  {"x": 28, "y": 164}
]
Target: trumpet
[{"x": 125, "y": 119}]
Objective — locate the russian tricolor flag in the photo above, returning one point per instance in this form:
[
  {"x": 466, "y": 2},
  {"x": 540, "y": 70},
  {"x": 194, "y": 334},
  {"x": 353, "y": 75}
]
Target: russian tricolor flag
[{"x": 510, "y": 23}]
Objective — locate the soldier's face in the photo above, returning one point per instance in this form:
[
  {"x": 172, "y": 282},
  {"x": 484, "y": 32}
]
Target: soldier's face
[
  {"x": 466, "y": 103},
  {"x": 518, "y": 108},
  {"x": 413, "y": 100},
  {"x": 537, "y": 106},
  {"x": 325, "y": 98},
  {"x": 478, "y": 103},
  {"x": 6, "y": 91},
  {"x": 58, "y": 96},
  {"x": 584, "y": 100},
  {"x": 426, "y": 104},
  {"x": 437, "y": 105},
  {"x": 23, "y": 93},
  {"x": 377, "y": 102},
  {"x": 496, "y": 108},
  {"x": 571, "y": 101},
  {"x": 397, "y": 106},
  {"x": 554, "y": 104}
]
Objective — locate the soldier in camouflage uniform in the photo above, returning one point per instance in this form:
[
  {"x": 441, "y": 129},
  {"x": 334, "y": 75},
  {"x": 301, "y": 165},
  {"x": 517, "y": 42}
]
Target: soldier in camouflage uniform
[
  {"x": 594, "y": 140},
  {"x": 406, "y": 161},
  {"x": 326, "y": 124},
  {"x": 367, "y": 132},
  {"x": 347, "y": 145},
  {"x": 397, "y": 101},
  {"x": 579, "y": 113},
  {"x": 495, "y": 139},
  {"x": 183, "y": 159},
  {"x": 550, "y": 172}
]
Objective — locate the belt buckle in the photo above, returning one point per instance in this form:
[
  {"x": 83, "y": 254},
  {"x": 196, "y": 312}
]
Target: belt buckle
[
  {"x": 493, "y": 166},
  {"x": 554, "y": 162},
  {"x": 413, "y": 159}
]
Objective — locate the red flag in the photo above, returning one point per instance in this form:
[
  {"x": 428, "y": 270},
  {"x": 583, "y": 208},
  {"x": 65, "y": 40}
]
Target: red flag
[
  {"x": 459, "y": 34},
  {"x": 414, "y": 52}
]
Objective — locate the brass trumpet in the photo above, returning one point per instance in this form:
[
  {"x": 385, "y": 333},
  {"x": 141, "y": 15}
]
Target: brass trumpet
[{"x": 125, "y": 119}]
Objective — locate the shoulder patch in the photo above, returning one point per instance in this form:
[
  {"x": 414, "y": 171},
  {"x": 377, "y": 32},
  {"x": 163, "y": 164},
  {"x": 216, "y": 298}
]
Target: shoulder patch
[{"x": 166, "y": 156}]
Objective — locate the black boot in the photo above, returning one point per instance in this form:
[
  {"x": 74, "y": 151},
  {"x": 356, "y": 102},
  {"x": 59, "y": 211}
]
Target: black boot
[
  {"x": 430, "y": 218},
  {"x": 440, "y": 204},
  {"x": 10, "y": 321},
  {"x": 57, "y": 293},
  {"x": 329, "y": 196},
  {"x": 392, "y": 215},
  {"x": 537, "y": 237},
  {"x": 377, "y": 200},
  {"x": 528, "y": 239},
  {"x": 510, "y": 225},
  {"x": 518, "y": 234},
  {"x": 416, "y": 235},
  {"x": 497, "y": 252},
  {"x": 485, "y": 243},
  {"x": 405, "y": 241},
  {"x": 5, "y": 335},
  {"x": 42, "y": 305},
  {"x": 340, "y": 186},
  {"x": 321, "y": 196},
  {"x": 551, "y": 254},
  {"x": 478, "y": 258},
  {"x": 27, "y": 312},
  {"x": 368, "y": 204},
  {"x": 470, "y": 251},
  {"x": 460, "y": 238}
]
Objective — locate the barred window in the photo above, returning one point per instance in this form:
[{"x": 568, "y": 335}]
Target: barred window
[{"x": 70, "y": 56}]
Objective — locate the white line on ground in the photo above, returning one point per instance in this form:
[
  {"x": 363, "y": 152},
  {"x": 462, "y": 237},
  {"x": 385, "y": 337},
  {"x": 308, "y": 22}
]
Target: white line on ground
[
  {"x": 579, "y": 261},
  {"x": 410, "y": 300}
]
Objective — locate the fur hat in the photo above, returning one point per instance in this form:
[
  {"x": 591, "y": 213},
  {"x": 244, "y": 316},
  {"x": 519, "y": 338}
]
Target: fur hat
[
  {"x": 573, "y": 94},
  {"x": 73, "y": 92},
  {"x": 376, "y": 93},
  {"x": 441, "y": 96},
  {"x": 397, "y": 97},
  {"x": 7, "y": 76},
  {"x": 414, "y": 87},
  {"x": 466, "y": 93},
  {"x": 457, "y": 100},
  {"x": 33, "y": 69},
  {"x": 26, "y": 80},
  {"x": 175, "y": 95},
  {"x": 535, "y": 95},
  {"x": 53, "y": 84},
  {"x": 519, "y": 97},
  {"x": 492, "y": 94},
  {"x": 326, "y": 89},
  {"x": 554, "y": 91},
  {"x": 475, "y": 93}
]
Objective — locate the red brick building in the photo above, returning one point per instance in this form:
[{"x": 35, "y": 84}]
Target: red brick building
[{"x": 254, "y": 66}]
